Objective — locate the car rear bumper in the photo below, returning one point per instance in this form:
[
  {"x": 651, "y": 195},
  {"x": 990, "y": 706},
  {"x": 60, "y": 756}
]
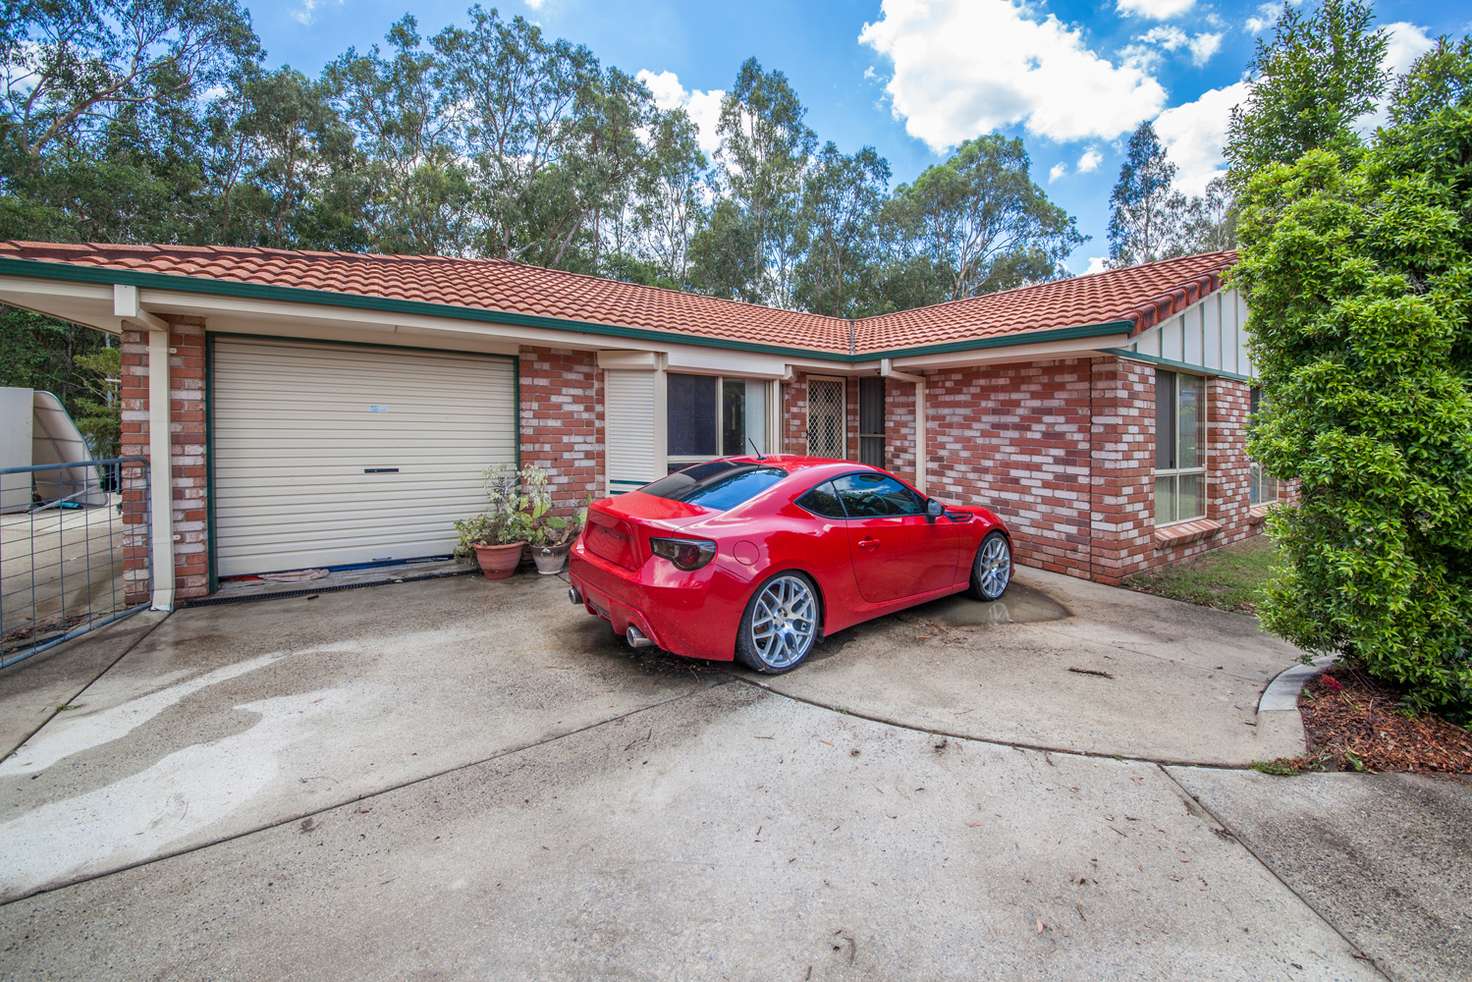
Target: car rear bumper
[{"x": 688, "y": 614}]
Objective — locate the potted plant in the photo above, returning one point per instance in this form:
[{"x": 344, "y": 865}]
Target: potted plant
[
  {"x": 498, "y": 536},
  {"x": 551, "y": 535}
]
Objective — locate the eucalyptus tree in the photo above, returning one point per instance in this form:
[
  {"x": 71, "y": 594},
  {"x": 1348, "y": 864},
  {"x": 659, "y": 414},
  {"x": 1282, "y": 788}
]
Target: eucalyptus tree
[
  {"x": 976, "y": 223},
  {"x": 1147, "y": 213},
  {"x": 842, "y": 198},
  {"x": 416, "y": 190},
  {"x": 671, "y": 196},
  {"x": 765, "y": 149}
]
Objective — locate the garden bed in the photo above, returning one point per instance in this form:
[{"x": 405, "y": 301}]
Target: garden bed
[{"x": 1355, "y": 723}]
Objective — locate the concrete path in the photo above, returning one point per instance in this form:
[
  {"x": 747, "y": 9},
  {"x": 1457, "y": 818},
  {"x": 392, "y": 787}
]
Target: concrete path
[
  {"x": 1384, "y": 856},
  {"x": 229, "y": 718},
  {"x": 732, "y": 833},
  {"x": 472, "y": 779},
  {"x": 1063, "y": 664}
]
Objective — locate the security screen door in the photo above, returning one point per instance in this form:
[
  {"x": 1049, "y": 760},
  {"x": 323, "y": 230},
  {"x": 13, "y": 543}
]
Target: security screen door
[{"x": 825, "y": 417}]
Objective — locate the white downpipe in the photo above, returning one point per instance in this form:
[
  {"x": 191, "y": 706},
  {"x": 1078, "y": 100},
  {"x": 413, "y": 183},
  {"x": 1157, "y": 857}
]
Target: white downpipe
[
  {"x": 887, "y": 370},
  {"x": 160, "y": 470}
]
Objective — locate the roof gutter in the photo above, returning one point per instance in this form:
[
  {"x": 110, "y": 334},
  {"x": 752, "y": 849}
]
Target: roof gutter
[{"x": 75, "y": 273}]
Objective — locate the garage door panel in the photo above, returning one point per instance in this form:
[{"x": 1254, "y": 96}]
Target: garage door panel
[{"x": 294, "y": 424}]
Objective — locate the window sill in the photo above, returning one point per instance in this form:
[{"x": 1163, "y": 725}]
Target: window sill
[{"x": 1184, "y": 533}]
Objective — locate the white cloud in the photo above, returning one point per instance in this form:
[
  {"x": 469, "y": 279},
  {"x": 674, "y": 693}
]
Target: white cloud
[
  {"x": 307, "y": 12},
  {"x": 1056, "y": 171},
  {"x": 1267, "y": 15},
  {"x": 535, "y": 4},
  {"x": 1193, "y": 134},
  {"x": 704, "y": 107},
  {"x": 1203, "y": 46},
  {"x": 1144, "y": 53},
  {"x": 965, "y": 68},
  {"x": 1154, "y": 9},
  {"x": 1407, "y": 43},
  {"x": 1097, "y": 264},
  {"x": 1090, "y": 161}
]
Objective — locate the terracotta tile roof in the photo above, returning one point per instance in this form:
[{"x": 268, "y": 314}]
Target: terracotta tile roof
[
  {"x": 1140, "y": 294},
  {"x": 1143, "y": 295}
]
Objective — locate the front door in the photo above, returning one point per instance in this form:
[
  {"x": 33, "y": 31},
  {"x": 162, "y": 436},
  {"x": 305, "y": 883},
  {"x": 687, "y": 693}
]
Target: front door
[
  {"x": 826, "y": 411},
  {"x": 895, "y": 549}
]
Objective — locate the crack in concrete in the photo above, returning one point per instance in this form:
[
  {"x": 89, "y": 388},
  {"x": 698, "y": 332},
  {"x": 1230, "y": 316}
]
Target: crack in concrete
[
  {"x": 993, "y": 741},
  {"x": 75, "y": 695},
  {"x": 1359, "y": 952}
]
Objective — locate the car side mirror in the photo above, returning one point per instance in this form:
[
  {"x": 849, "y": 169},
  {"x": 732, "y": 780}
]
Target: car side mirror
[{"x": 934, "y": 509}]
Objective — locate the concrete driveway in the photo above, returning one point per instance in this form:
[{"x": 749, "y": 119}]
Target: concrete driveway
[{"x": 474, "y": 779}]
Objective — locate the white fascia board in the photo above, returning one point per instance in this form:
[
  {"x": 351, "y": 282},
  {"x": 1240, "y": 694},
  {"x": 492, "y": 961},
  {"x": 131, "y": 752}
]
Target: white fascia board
[{"x": 285, "y": 319}]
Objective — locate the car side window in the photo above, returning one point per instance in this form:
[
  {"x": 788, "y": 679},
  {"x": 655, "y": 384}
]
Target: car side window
[
  {"x": 876, "y": 496},
  {"x": 822, "y": 500}
]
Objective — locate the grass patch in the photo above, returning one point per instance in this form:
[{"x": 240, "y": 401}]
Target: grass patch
[{"x": 1229, "y": 578}]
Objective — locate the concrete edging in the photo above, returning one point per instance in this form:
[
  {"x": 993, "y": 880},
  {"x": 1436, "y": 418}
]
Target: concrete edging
[
  {"x": 1278, "y": 718},
  {"x": 1281, "y": 695}
]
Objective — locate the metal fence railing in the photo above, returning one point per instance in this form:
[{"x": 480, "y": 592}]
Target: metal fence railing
[{"x": 63, "y": 539}]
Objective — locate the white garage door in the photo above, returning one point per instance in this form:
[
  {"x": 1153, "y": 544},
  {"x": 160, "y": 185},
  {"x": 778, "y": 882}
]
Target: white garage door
[{"x": 332, "y": 454}]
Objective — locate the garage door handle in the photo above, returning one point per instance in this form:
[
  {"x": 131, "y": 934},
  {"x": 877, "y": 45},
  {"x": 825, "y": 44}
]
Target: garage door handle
[
  {"x": 869, "y": 545},
  {"x": 380, "y": 470}
]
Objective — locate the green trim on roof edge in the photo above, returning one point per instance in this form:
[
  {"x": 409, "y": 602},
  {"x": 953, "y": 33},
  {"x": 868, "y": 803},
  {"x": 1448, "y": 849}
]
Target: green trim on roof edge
[
  {"x": 75, "y": 273},
  {"x": 1171, "y": 363}
]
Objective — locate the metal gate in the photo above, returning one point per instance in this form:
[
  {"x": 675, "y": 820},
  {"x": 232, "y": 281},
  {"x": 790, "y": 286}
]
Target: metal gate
[{"x": 62, "y": 542}]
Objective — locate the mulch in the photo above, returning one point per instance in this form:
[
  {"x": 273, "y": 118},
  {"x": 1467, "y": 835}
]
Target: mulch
[{"x": 1355, "y": 723}]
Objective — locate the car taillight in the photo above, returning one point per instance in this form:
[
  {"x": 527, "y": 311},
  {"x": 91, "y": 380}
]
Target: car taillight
[{"x": 687, "y": 554}]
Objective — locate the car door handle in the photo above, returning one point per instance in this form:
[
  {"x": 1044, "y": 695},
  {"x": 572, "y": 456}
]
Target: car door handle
[{"x": 868, "y": 545}]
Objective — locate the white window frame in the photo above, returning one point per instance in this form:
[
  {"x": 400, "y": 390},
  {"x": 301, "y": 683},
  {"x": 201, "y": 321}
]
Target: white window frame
[
  {"x": 1176, "y": 473},
  {"x": 1258, "y": 476},
  {"x": 676, "y": 461}
]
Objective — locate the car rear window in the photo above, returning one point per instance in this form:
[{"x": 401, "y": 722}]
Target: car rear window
[{"x": 718, "y": 485}]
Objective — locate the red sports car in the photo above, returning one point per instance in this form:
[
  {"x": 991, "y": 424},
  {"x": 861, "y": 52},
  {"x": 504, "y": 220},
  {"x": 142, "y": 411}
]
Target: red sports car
[{"x": 757, "y": 558}]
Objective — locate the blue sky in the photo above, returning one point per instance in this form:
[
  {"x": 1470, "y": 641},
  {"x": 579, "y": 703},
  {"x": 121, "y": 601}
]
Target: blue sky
[{"x": 913, "y": 77}]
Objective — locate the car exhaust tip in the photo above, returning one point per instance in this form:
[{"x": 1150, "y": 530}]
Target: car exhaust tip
[
  {"x": 575, "y": 598},
  {"x": 636, "y": 638}
]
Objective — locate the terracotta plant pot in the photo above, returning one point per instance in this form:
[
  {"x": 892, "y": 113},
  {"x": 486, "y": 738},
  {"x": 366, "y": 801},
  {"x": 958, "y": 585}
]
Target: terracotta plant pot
[
  {"x": 551, "y": 559},
  {"x": 499, "y": 562}
]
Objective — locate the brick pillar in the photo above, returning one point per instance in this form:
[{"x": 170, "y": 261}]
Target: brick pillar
[
  {"x": 1228, "y": 469},
  {"x": 794, "y": 437},
  {"x": 1122, "y": 467},
  {"x": 189, "y": 491},
  {"x": 562, "y": 422},
  {"x": 899, "y": 428},
  {"x": 851, "y": 419}
]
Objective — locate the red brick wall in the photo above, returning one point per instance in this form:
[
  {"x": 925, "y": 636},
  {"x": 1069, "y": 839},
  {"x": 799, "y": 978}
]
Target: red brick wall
[
  {"x": 187, "y": 451},
  {"x": 562, "y": 421},
  {"x": 899, "y": 428},
  {"x": 1016, "y": 438},
  {"x": 1122, "y": 468},
  {"x": 1125, "y": 536}
]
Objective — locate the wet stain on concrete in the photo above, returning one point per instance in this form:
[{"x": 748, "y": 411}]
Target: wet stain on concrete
[{"x": 1020, "y": 605}]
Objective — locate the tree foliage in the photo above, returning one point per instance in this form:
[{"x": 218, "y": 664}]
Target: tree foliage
[
  {"x": 1358, "y": 267},
  {"x": 157, "y": 121},
  {"x": 1319, "y": 73}
]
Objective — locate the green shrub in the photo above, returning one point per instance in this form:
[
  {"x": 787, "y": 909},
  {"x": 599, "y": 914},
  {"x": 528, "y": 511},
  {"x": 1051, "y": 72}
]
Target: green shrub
[{"x": 1358, "y": 274}]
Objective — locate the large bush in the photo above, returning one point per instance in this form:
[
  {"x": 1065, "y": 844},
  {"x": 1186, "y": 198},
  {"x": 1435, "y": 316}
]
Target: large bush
[{"x": 1358, "y": 270}]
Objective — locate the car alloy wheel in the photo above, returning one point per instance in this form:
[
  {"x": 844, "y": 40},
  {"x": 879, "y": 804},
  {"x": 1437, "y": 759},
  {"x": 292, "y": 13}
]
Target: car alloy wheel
[
  {"x": 784, "y": 622},
  {"x": 993, "y": 569}
]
